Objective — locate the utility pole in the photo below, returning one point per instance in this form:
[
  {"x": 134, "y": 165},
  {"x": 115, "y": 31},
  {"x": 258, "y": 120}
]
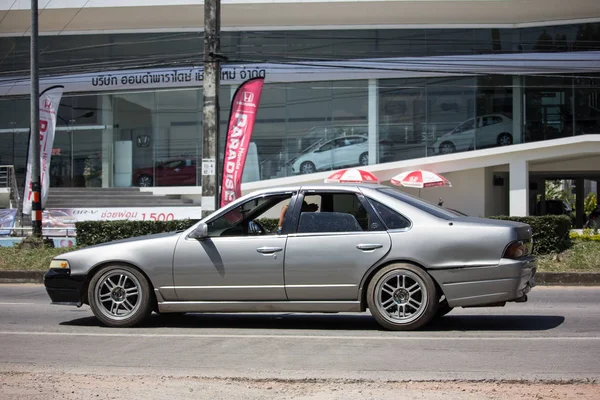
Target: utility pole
[
  {"x": 210, "y": 123},
  {"x": 34, "y": 138}
]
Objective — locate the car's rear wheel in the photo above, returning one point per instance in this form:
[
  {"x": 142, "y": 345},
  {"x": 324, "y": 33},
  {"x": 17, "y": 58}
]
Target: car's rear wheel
[
  {"x": 402, "y": 297},
  {"x": 364, "y": 159},
  {"x": 307, "y": 167},
  {"x": 505, "y": 139},
  {"x": 120, "y": 296},
  {"x": 145, "y": 181}
]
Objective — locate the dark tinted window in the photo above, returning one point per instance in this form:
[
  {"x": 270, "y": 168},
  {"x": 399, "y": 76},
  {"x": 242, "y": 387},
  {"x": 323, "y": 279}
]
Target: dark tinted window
[{"x": 390, "y": 218}]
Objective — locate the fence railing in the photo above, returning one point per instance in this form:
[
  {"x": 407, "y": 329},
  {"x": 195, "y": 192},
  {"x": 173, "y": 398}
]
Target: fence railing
[{"x": 8, "y": 179}]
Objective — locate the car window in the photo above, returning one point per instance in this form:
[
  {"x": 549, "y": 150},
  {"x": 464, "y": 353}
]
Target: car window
[
  {"x": 250, "y": 218},
  {"x": 465, "y": 126},
  {"x": 339, "y": 212},
  {"x": 325, "y": 147},
  {"x": 391, "y": 218},
  {"x": 487, "y": 121},
  {"x": 419, "y": 203},
  {"x": 172, "y": 164}
]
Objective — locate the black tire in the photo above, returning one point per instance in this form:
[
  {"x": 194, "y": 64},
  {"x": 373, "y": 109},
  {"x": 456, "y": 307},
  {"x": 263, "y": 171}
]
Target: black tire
[
  {"x": 364, "y": 159},
  {"x": 121, "y": 296},
  {"x": 307, "y": 167},
  {"x": 428, "y": 297},
  {"x": 448, "y": 147},
  {"x": 505, "y": 139},
  {"x": 145, "y": 181},
  {"x": 443, "y": 309}
]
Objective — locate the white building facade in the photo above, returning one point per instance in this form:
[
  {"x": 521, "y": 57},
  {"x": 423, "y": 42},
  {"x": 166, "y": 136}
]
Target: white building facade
[{"x": 497, "y": 95}]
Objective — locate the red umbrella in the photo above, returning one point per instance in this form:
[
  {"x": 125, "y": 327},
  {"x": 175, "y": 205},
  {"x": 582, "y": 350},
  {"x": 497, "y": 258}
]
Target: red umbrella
[
  {"x": 352, "y": 175},
  {"x": 420, "y": 179}
]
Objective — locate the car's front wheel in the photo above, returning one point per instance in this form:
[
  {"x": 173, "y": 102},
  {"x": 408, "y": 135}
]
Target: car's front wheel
[
  {"x": 120, "y": 296},
  {"x": 402, "y": 297},
  {"x": 447, "y": 148}
]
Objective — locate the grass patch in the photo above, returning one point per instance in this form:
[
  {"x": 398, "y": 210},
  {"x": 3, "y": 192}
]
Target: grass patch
[
  {"x": 13, "y": 258},
  {"x": 584, "y": 256}
]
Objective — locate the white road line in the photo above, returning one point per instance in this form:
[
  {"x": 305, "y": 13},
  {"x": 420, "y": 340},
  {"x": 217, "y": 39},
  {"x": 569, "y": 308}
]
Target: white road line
[{"x": 226, "y": 336}]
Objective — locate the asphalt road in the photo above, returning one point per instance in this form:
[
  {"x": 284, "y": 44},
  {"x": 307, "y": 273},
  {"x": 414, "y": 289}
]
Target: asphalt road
[{"x": 554, "y": 336}]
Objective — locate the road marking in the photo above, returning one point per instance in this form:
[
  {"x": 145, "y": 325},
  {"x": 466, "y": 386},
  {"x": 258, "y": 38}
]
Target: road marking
[
  {"x": 228, "y": 336},
  {"x": 17, "y": 304}
]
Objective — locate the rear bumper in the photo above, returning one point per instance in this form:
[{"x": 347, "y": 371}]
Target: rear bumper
[
  {"x": 510, "y": 280},
  {"x": 64, "y": 288}
]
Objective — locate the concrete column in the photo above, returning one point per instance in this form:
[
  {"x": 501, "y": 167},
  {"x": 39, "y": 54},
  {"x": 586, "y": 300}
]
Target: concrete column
[
  {"x": 106, "y": 107},
  {"x": 543, "y": 197},
  {"x": 517, "y": 103},
  {"x": 373, "y": 122},
  {"x": 519, "y": 188},
  {"x": 579, "y": 203}
]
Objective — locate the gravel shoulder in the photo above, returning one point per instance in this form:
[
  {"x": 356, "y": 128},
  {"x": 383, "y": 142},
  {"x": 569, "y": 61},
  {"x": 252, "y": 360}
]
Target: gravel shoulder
[{"x": 38, "y": 385}]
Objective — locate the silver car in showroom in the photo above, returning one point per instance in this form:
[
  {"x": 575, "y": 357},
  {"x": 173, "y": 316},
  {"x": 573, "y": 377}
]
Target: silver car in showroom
[{"x": 339, "y": 248}]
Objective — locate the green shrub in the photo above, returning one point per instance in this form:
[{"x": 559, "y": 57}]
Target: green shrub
[
  {"x": 550, "y": 232},
  {"x": 588, "y": 235},
  {"x": 95, "y": 232}
]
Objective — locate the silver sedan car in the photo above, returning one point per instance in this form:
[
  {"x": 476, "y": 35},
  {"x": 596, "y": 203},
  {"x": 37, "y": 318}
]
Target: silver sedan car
[{"x": 339, "y": 248}]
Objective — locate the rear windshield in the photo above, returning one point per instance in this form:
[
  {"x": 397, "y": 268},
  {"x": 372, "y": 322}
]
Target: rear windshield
[{"x": 421, "y": 204}]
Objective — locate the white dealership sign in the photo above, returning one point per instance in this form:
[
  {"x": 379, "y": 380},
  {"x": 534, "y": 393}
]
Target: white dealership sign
[{"x": 378, "y": 68}]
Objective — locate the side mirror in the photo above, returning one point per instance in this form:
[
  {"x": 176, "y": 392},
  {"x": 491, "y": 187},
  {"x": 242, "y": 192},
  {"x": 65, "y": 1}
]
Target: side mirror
[{"x": 200, "y": 232}]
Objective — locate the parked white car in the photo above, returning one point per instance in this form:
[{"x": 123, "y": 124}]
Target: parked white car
[
  {"x": 343, "y": 151},
  {"x": 484, "y": 131}
]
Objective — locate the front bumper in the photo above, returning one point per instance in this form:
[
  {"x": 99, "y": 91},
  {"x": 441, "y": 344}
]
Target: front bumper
[{"x": 64, "y": 288}]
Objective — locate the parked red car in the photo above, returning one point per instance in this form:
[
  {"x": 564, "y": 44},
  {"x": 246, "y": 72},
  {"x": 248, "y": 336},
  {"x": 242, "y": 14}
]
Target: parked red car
[{"x": 177, "y": 172}]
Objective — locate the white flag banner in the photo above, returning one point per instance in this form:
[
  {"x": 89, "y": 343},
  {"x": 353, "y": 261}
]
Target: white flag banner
[{"x": 49, "y": 102}]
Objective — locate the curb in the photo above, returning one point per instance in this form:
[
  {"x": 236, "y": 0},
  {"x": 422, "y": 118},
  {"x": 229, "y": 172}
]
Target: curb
[
  {"x": 541, "y": 278},
  {"x": 22, "y": 276}
]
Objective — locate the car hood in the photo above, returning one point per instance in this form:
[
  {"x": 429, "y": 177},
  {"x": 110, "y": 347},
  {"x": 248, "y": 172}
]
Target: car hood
[{"x": 137, "y": 239}]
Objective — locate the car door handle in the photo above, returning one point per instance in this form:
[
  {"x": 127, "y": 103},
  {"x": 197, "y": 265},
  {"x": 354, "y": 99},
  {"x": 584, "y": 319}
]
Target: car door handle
[
  {"x": 367, "y": 247},
  {"x": 268, "y": 250}
]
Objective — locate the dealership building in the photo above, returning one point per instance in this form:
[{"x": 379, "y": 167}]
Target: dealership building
[{"x": 496, "y": 95}]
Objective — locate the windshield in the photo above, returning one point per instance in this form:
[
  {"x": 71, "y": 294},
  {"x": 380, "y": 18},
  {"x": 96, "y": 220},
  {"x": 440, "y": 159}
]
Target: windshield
[{"x": 421, "y": 204}]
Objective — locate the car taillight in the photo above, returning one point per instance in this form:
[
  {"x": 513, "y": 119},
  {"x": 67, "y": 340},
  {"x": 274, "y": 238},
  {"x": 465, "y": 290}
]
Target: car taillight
[{"x": 517, "y": 250}]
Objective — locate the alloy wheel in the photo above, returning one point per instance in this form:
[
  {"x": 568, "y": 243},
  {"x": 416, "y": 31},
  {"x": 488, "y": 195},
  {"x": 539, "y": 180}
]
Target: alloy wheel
[
  {"x": 118, "y": 294},
  {"x": 401, "y": 296}
]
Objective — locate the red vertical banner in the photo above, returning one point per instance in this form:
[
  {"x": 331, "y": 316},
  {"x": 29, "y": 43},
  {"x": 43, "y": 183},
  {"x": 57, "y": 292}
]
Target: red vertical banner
[{"x": 244, "y": 107}]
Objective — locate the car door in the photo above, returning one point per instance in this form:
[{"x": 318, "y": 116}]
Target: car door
[
  {"x": 332, "y": 248},
  {"x": 324, "y": 156},
  {"x": 236, "y": 262},
  {"x": 463, "y": 136}
]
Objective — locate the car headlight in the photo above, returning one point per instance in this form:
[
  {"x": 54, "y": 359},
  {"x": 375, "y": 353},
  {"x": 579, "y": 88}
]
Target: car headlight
[{"x": 59, "y": 264}]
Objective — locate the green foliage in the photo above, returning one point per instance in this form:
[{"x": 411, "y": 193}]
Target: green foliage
[
  {"x": 95, "y": 232},
  {"x": 588, "y": 235},
  {"x": 269, "y": 224},
  {"x": 590, "y": 203},
  {"x": 584, "y": 256},
  {"x": 35, "y": 258},
  {"x": 550, "y": 232}
]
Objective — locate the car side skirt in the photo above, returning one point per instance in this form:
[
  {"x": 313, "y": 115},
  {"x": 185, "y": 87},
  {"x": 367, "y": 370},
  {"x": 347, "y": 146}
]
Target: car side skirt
[{"x": 259, "y": 306}]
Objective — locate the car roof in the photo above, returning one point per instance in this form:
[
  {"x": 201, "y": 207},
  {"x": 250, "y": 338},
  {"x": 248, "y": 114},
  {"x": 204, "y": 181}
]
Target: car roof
[{"x": 319, "y": 186}]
